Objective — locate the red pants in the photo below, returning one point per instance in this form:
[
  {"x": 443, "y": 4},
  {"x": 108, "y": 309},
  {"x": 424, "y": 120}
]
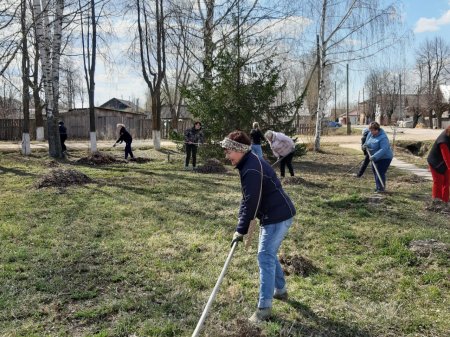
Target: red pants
[{"x": 441, "y": 185}]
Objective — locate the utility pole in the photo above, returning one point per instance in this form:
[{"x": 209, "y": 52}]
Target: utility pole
[
  {"x": 349, "y": 124},
  {"x": 335, "y": 104},
  {"x": 364, "y": 109},
  {"x": 400, "y": 96}
]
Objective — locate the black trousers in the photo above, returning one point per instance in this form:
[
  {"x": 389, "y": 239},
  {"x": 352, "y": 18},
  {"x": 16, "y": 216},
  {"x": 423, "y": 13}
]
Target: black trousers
[
  {"x": 287, "y": 161},
  {"x": 191, "y": 149},
  {"x": 364, "y": 165},
  {"x": 128, "y": 150},
  {"x": 63, "y": 139}
]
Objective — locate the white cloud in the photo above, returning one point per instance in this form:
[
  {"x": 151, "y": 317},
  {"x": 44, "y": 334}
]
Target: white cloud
[{"x": 432, "y": 24}]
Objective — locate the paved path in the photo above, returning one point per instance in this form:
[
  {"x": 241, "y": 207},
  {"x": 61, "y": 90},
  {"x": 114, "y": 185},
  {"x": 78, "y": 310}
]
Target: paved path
[{"x": 424, "y": 173}]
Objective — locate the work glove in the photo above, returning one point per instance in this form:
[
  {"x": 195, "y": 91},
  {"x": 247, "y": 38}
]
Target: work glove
[
  {"x": 237, "y": 237},
  {"x": 364, "y": 147}
]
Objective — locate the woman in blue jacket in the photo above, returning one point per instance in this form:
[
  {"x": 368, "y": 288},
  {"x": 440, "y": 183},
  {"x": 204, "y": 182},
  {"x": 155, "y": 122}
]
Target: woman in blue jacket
[
  {"x": 262, "y": 198},
  {"x": 379, "y": 149}
]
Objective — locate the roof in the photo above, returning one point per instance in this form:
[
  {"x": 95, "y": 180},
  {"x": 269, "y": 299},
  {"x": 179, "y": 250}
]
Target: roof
[
  {"x": 122, "y": 105},
  {"x": 100, "y": 108}
]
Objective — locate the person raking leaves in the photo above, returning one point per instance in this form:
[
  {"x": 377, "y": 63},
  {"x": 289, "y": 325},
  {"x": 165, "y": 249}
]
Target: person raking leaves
[
  {"x": 124, "y": 136},
  {"x": 262, "y": 198}
]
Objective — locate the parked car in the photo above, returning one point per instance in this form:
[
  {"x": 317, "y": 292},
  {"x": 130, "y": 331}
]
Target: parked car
[{"x": 332, "y": 124}]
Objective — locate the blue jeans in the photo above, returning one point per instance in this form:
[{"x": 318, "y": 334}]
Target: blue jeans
[
  {"x": 382, "y": 166},
  {"x": 256, "y": 149},
  {"x": 271, "y": 274}
]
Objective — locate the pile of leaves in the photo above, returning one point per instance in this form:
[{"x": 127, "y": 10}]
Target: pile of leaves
[
  {"x": 212, "y": 166},
  {"x": 297, "y": 265},
  {"x": 438, "y": 206},
  {"x": 140, "y": 160},
  {"x": 425, "y": 248},
  {"x": 98, "y": 158},
  {"x": 63, "y": 178},
  {"x": 294, "y": 181}
]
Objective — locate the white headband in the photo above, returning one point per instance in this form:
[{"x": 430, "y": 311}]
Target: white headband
[{"x": 232, "y": 145}]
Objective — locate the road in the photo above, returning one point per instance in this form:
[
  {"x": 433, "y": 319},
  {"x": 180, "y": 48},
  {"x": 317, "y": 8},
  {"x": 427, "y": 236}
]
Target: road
[{"x": 354, "y": 140}]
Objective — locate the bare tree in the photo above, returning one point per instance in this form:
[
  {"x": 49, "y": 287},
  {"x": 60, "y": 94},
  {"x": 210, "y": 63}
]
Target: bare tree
[
  {"x": 89, "y": 45},
  {"x": 433, "y": 56},
  {"x": 347, "y": 31},
  {"x": 26, "y": 148},
  {"x": 49, "y": 38},
  {"x": 152, "y": 52}
]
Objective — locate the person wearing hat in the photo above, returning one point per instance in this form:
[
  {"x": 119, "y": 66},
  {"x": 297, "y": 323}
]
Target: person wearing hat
[
  {"x": 124, "y": 136},
  {"x": 283, "y": 147},
  {"x": 262, "y": 198},
  {"x": 62, "y": 136},
  {"x": 439, "y": 163}
]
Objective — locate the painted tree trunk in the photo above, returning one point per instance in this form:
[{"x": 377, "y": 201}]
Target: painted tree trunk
[{"x": 26, "y": 148}]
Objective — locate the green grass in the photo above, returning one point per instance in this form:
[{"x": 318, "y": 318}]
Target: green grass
[{"x": 138, "y": 252}]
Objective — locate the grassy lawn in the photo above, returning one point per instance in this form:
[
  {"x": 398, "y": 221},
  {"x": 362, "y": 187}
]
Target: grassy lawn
[{"x": 137, "y": 252}]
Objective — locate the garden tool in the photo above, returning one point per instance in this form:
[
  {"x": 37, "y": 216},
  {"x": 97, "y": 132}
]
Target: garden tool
[
  {"x": 353, "y": 167},
  {"x": 214, "y": 292},
  {"x": 376, "y": 169}
]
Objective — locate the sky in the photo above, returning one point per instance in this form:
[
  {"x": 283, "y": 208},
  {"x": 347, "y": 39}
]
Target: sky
[{"x": 424, "y": 18}]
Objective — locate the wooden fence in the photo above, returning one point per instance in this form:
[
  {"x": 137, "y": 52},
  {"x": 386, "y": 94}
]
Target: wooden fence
[{"x": 11, "y": 129}]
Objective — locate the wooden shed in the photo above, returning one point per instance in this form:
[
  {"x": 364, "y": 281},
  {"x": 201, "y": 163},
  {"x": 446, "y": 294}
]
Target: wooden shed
[{"x": 77, "y": 123}]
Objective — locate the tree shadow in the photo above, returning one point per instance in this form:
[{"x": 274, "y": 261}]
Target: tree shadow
[
  {"x": 4, "y": 170},
  {"x": 315, "y": 325}
]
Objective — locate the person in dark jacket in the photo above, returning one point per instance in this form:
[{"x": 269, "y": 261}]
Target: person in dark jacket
[
  {"x": 192, "y": 138},
  {"x": 124, "y": 136},
  {"x": 380, "y": 153},
  {"x": 439, "y": 163},
  {"x": 366, "y": 161},
  {"x": 256, "y": 136},
  {"x": 63, "y": 136},
  {"x": 262, "y": 198}
]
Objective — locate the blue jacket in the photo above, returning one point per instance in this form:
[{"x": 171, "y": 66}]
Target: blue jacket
[
  {"x": 379, "y": 146},
  {"x": 275, "y": 205}
]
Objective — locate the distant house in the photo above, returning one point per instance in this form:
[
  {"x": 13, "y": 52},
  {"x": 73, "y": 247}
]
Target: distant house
[
  {"x": 122, "y": 105},
  {"x": 354, "y": 117},
  {"x": 107, "y": 116}
]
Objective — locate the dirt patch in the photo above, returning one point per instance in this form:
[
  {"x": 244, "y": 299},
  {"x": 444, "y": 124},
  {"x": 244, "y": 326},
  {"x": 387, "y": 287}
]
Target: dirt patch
[
  {"x": 426, "y": 248},
  {"x": 297, "y": 265},
  {"x": 53, "y": 163},
  {"x": 243, "y": 328},
  {"x": 411, "y": 179},
  {"x": 438, "y": 206},
  {"x": 63, "y": 178},
  {"x": 140, "y": 160},
  {"x": 211, "y": 166},
  {"x": 99, "y": 158}
]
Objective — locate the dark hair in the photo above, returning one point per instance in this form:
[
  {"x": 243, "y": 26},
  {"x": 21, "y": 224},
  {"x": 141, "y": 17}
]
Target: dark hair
[
  {"x": 240, "y": 137},
  {"x": 374, "y": 126},
  {"x": 197, "y": 122}
]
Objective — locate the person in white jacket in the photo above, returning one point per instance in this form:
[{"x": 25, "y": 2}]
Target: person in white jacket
[{"x": 283, "y": 148}]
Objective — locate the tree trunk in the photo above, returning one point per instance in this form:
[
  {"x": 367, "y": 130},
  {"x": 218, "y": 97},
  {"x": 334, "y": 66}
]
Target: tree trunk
[
  {"x": 208, "y": 41},
  {"x": 26, "y": 148}
]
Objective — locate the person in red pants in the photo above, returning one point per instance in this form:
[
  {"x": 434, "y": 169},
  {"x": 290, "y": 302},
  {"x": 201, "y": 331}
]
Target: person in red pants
[{"x": 439, "y": 162}]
